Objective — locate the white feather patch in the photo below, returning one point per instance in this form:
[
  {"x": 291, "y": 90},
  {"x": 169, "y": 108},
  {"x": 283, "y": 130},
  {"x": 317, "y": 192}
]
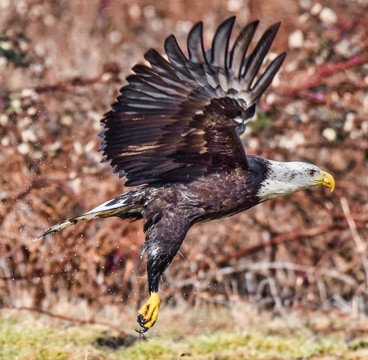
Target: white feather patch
[
  {"x": 285, "y": 178},
  {"x": 106, "y": 206}
]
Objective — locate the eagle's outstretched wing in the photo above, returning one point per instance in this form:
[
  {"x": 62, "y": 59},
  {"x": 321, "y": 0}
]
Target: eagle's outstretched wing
[{"x": 178, "y": 118}]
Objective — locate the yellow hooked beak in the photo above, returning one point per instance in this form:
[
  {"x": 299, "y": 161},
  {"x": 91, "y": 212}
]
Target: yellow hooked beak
[{"x": 325, "y": 180}]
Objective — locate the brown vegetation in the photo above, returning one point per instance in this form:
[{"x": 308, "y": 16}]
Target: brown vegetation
[{"x": 62, "y": 64}]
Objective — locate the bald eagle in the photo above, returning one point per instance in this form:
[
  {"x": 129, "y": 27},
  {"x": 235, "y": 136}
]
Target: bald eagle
[{"x": 174, "y": 134}]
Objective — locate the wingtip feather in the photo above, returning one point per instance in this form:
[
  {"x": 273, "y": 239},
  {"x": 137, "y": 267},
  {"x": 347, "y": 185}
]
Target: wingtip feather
[
  {"x": 259, "y": 53},
  {"x": 240, "y": 47},
  {"x": 220, "y": 43},
  {"x": 195, "y": 44},
  {"x": 265, "y": 80}
]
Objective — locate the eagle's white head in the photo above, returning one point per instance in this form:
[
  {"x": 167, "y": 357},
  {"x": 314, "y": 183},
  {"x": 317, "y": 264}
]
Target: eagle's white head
[{"x": 284, "y": 178}]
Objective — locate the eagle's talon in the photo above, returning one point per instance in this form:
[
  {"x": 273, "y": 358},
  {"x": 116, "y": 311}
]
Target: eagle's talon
[
  {"x": 141, "y": 320},
  {"x": 147, "y": 314}
]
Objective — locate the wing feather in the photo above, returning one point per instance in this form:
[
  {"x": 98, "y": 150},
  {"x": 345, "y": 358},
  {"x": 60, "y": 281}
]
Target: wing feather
[
  {"x": 178, "y": 60},
  {"x": 220, "y": 44},
  {"x": 178, "y": 119},
  {"x": 267, "y": 77},
  {"x": 195, "y": 45},
  {"x": 240, "y": 47},
  {"x": 257, "y": 56}
]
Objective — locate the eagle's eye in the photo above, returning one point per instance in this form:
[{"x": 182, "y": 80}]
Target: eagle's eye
[{"x": 311, "y": 172}]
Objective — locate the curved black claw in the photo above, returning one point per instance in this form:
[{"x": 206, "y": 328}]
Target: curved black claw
[
  {"x": 141, "y": 331},
  {"x": 141, "y": 321}
]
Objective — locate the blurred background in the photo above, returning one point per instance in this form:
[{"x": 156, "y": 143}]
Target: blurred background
[{"x": 62, "y": 64}]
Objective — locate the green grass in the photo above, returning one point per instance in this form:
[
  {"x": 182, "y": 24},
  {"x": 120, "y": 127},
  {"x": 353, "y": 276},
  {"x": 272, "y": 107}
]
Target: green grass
[{"x": 212, "y": 337}]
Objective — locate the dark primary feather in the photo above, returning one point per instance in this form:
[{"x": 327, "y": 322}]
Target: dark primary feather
[
  {"x": 178, "y": 119},
  {"x": 220, "y": 44},
  {"x": 254, "y": 61},
  {"x": 240, "y": 47}
]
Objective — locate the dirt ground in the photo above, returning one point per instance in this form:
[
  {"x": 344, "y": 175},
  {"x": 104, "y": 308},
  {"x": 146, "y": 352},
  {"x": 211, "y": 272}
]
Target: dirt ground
[{"x": 62, "y": 64}]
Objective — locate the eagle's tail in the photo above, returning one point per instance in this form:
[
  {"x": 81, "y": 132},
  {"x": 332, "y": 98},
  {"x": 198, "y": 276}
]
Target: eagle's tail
[{"x": 126, "y": 205}]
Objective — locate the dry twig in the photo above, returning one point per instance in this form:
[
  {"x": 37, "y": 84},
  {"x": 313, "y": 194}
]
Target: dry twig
[{"x": 360, "y": 245}]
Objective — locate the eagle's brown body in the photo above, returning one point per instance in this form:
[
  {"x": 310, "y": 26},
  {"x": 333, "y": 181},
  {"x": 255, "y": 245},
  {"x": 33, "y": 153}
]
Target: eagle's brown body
[
  {"x": 175, "y": 130},
  {"x": 207, "y": 198},
  {"x": 171, "y": 209}
]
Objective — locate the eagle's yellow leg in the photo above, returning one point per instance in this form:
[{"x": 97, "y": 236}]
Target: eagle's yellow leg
[{"x": 148, "y": 313}]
